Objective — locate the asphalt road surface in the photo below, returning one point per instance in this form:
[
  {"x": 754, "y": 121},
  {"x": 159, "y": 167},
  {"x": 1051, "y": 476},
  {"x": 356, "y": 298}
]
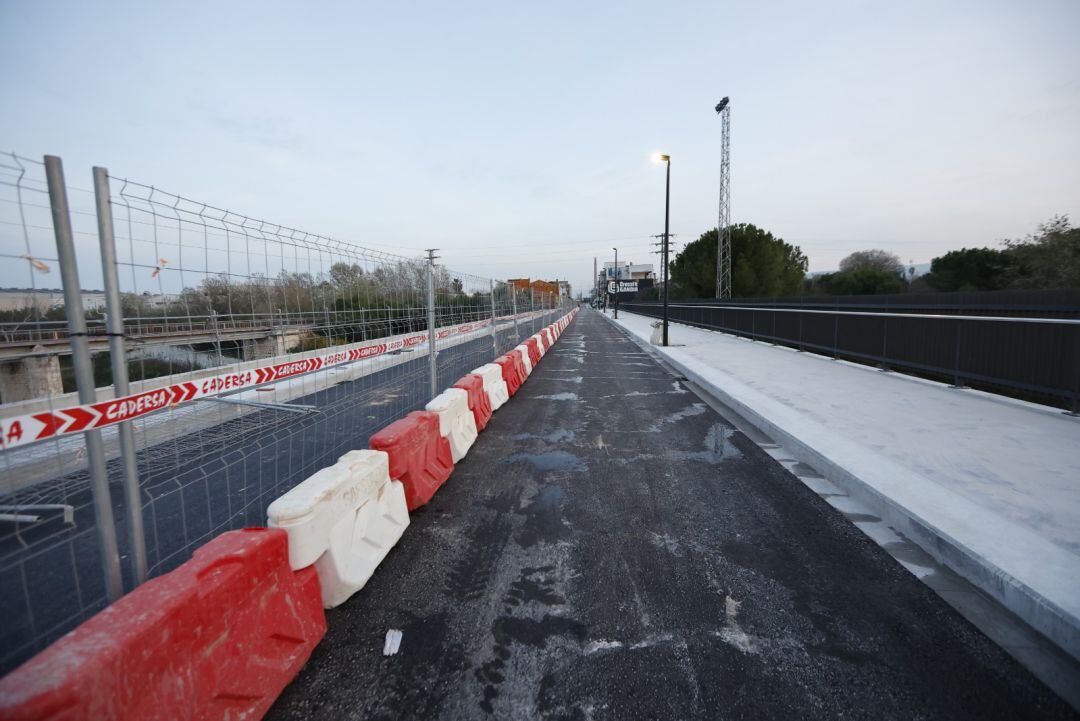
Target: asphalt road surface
[
  {"x": 611, "y": 548},
  {"x": 198, "y": 485}
]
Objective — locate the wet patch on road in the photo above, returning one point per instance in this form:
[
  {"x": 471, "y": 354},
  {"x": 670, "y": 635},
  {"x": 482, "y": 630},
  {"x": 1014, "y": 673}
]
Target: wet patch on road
[{"x": 550, "y": 461}]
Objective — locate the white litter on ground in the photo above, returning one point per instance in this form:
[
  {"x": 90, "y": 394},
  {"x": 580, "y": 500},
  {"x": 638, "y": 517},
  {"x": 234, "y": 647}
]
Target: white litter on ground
[{"x": 392, "y": 643}]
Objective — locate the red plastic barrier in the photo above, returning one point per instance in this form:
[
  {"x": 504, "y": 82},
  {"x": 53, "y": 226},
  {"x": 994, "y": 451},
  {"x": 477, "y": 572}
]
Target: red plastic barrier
[
  {"x": 534, "y": 351},
  {"x": 419, "y": 456},
  {"x": 479, "y": 403},
  {"x": 510, "y": 364},
  {"x": 218, "y": 638}
]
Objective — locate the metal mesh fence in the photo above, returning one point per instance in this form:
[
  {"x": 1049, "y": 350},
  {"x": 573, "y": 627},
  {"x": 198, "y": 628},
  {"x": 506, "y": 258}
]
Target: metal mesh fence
[
  {"x": 257, "y": 354},
  {"x": 50, "y": 575}
]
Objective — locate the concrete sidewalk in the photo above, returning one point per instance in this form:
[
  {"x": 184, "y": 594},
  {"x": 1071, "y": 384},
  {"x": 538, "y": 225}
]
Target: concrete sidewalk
[{"x": 989, "y": 486}]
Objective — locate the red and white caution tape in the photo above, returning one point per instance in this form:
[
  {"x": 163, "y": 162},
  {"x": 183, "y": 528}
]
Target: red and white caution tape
[{"x": 33, "y": 427}]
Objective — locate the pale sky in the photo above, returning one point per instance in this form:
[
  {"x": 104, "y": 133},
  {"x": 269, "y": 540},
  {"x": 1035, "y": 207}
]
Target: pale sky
[{"x": 516, "y": 137}]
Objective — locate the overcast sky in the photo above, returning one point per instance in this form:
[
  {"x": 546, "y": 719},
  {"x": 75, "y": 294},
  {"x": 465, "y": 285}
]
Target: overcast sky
[{"x": 516, "y": 137}]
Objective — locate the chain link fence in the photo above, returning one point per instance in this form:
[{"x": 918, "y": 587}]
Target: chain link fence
[{"x": 232, "y": 358}]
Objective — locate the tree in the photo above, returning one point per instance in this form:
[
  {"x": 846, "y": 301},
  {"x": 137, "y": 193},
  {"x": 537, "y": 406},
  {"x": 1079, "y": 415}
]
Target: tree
[
  {"x": 864, "y": 281},
  {"x": 1048, "y": 259},
  {"x": 876, "y": 259},
  {"x": 970, "y": 269},
  {"x": 762, "y": 265},
  {"x": 346, "y": 275}
]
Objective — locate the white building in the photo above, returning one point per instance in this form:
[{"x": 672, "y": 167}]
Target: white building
[{"x": 628, "y": 271}]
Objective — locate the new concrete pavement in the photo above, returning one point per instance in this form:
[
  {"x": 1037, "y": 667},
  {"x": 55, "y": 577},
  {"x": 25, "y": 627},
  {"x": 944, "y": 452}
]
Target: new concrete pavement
[{"x": 611, "y": 548}]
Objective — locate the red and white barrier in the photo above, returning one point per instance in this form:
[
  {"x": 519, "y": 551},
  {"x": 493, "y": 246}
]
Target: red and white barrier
[
  {"x": 494, "y": 385},
  {"x": 419, "y": 456},
  {"x": 343, "y": 520},
  {"x": 479, "y": 405},
  {"x": 218, "y": 638},
  {"x": 526, "y": 358},
  {"x": 456, "y": 422}
]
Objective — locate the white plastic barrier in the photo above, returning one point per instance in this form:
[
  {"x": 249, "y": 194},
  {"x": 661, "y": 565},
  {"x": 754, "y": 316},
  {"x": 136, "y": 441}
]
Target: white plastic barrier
[
  {"x": 494, "y": 385},
  {"x": 456, "y": 422},
  {"x": 540, "y": 344},
  {"x": 524, "y": 351},
  {"x": 344, "y": 519}
]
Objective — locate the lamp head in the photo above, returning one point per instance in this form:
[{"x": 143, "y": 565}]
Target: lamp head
[{"x": 661, "y": 158}]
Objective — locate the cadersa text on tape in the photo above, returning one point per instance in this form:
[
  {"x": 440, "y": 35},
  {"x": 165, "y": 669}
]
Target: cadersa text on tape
[
  {"x": 335, "y": 358},
  {"x": 228, "y": 381},
  {"x": 136, "y": 405}
]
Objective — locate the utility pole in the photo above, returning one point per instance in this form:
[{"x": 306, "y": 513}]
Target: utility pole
[
  {"x": 723, "y": 230},
  {"x": 667, "y": 215},
  {"x": 618, "y": 276},
  {"x": 595, "y": 283},
  {"x": 433, "y": 363}
]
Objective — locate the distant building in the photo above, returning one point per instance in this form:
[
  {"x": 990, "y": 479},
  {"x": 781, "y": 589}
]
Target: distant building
[
  {"x": 545, "y": 287},
  {"x": 627, "y": 271},
  {"x": 556, "y": 288},
  {"x": 46, "y": 299}
]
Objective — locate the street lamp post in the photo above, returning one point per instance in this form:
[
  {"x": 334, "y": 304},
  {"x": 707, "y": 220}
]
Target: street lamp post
[
  {"x": 667, "y": 214},
  {"x": 617, "y": 274}
]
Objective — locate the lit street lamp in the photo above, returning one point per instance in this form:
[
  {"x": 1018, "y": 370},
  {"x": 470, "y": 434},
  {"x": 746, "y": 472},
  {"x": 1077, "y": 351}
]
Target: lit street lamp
[{"x": 659, "y": 157}]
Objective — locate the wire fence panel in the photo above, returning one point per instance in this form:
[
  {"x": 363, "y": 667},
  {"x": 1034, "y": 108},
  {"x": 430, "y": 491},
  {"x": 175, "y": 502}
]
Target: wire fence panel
[
  {"x": 50, "y": 569},
  {"x": 257, "y": 354}
]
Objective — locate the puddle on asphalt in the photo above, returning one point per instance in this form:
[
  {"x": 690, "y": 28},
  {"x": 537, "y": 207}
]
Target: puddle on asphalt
[
  {"x": 547, "y": 499},
  {"x": 550, "y": 461},
  {"x": 718, "y": 447}
]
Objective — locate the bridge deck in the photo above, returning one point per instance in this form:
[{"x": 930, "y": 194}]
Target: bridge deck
[{"x": 611, "y": 548}]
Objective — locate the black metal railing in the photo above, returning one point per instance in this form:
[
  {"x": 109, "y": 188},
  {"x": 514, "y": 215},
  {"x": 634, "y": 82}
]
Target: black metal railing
[{"x": 1037, "y": 358}]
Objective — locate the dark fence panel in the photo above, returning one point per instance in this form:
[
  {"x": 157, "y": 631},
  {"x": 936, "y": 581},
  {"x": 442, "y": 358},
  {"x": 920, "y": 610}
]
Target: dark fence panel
[{"x": 1033, "y": 352}]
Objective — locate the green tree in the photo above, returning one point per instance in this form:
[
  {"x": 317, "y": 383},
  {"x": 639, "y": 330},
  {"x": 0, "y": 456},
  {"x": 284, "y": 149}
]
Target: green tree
[
  {"x": 1048, "y": 259},
  {"x": 970, "y": 269},
  {"x": 875, "y": 259},
  {"x": 864, "y": 281},
  {"x": 761, "y": 265}
]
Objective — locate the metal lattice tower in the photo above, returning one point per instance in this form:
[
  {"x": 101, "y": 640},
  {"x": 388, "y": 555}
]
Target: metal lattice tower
[{"x": 723, "y": 241}]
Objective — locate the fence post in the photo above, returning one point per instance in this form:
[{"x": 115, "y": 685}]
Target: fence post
[
  {"x": 802, "y": 307},
  {"x": 84, "y": 374},
  {"x": 1075, "y": 410},
  {"x": 114, "y": 327},
  {"x": 836, "y": 329},
  {"x": 217, "y": 336},
  {"x": 494, "y": 322},
  {"x": 884, "y": 365},
  {"x": 513, "y": 309},
  {"x": 433, "y": 363},
  {"x": 957, "y": 383}
]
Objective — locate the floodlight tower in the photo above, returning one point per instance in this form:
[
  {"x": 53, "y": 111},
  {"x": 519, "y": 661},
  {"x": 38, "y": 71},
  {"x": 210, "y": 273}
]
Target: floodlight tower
[{"x": 723, "y": 241}]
